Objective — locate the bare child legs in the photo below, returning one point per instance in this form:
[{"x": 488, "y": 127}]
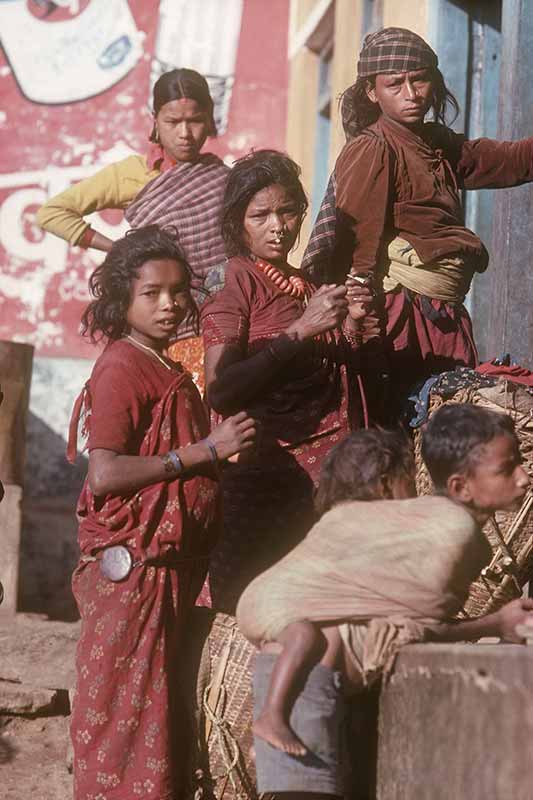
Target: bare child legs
[{"x": 304, "y": 645}]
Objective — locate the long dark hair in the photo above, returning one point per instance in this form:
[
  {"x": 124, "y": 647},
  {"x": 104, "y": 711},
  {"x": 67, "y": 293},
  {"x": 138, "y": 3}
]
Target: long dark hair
[
  {"x": 110, "y": 283},
  {"x": 183, "y": 83},
  {"x": 250, "y": 175},
  {"x": 358, "y": 111},
  {"x": 354, "y": 469}
]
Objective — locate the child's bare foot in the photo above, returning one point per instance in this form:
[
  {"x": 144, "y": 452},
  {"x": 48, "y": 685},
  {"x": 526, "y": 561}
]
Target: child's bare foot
[{"x": 274, "y": 730}]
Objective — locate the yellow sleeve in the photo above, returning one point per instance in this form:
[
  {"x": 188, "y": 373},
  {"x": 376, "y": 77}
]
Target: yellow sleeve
[{"x": 114, "y": 186}]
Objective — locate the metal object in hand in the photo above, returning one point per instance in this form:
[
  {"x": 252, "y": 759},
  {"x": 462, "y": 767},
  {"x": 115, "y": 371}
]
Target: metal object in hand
[
  {"x": 116, "y": 563},
  {"x": 364, "y": 280}
]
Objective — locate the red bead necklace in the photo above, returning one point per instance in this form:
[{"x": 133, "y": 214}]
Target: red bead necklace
[{"x": 293, "y": 285}]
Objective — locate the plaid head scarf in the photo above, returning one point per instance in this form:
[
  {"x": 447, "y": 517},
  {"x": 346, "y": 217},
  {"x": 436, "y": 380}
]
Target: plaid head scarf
[{"x": 394, "y": 50}]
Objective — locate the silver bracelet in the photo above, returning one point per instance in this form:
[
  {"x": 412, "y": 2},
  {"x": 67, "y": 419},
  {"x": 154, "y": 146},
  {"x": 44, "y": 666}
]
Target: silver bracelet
[
  {"x": 172, "y": 462},
  {"x": 212, "y": 450}
]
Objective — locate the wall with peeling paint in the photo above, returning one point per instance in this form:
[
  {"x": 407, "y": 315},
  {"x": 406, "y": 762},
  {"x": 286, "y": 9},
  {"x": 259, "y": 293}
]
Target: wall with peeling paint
[{"x": 44, "y": 148}]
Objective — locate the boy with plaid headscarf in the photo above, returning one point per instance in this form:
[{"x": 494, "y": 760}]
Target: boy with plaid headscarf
[{"x": 393, "y": 208}]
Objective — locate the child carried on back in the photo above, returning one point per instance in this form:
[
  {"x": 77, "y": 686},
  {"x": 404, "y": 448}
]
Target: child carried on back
[{"x": 371, "y": 577}]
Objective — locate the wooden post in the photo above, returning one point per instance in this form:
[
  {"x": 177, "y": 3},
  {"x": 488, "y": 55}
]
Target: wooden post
[
  {"x": 510, "y": 274},
  {"x": 15, "y": 378}
]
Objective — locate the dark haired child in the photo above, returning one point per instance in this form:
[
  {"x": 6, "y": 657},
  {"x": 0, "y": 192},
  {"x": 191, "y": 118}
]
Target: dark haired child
[
  {"x": 371, "y": 577},
  {"x": 286, "y": 351},
  {"x": 394, "y": 211},
  {"x": 148, "y": 519}
]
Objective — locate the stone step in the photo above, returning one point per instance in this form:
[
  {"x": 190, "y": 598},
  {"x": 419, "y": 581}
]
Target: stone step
[
  {"x": 22, "y": 699},
  {"x": 37, "y": 653}
]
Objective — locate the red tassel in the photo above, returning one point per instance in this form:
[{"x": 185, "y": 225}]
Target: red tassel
[{"x": 82, "y": 403}]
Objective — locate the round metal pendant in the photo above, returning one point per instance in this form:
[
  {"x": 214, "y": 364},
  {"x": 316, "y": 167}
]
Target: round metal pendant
[{"x": 116, "y": 563}]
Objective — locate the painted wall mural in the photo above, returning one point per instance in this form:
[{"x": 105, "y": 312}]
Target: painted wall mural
[
  {"x": 75, "y": 81},
  {"x": 78, "y": 49}
]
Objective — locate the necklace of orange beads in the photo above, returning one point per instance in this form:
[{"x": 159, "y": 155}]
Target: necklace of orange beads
[{"x": 293, "y": 285}]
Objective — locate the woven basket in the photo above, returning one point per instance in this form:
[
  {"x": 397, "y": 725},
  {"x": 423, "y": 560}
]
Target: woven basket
[
  {"x": 510, "y": 534},
  {"x": 218, "y": 686}
]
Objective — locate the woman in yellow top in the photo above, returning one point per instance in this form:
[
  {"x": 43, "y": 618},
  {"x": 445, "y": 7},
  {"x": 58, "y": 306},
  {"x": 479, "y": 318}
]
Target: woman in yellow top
[{"x": 175, "y": 184}]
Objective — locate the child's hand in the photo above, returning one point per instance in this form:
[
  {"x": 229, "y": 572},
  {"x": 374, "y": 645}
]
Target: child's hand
[
  {"x": 235, "y": 435},
  {"x": 359, "y": 294},
  {"x": 517, "y": 612}
]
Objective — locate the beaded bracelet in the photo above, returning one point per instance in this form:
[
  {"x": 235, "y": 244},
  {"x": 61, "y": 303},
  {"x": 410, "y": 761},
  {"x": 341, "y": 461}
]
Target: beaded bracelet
[{"x": 353, "y": 337}]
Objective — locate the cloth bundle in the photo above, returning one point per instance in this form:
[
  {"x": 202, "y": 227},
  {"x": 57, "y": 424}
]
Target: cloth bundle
[
  {"x": 446, "y": 279},
  {"x": 383, "y": 569}
]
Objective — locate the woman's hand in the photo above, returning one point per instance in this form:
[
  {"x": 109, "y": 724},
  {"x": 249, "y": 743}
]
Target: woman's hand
[
  {"x": 359, "y": 295},
  {"x": 235, "y": 435},
  {"x": 326, "y": 310}
]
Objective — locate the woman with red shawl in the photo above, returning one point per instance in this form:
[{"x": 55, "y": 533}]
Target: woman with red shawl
[{"x": 287, "y": 354}]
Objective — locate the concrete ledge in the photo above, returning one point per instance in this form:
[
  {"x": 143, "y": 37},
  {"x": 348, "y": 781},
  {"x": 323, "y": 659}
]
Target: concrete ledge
[{"x": 456, "y": 723}]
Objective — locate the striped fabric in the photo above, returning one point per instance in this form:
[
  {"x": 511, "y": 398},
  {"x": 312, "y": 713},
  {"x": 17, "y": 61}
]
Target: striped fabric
[
  {"x": 189, "y": 198},
  {"x": 316, "y": 263},
  {"x": 394, "y": 50}
]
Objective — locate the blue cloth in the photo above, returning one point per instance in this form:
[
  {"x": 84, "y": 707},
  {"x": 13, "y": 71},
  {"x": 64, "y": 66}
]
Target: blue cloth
[
  {"x": 317, "y": 719},
  {"x": 446, "y": 385}
]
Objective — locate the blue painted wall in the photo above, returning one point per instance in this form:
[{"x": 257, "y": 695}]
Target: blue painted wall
[{"x": 467, "y": 38}]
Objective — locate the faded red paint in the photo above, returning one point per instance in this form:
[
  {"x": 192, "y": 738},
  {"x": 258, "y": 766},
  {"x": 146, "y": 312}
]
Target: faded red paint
[{"x": 35, "y": 300}]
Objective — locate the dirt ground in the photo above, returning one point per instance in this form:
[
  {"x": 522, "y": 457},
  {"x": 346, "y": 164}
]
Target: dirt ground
[
  {"x": 36, "y": 675},
  {"x": 33, "y": 755}
]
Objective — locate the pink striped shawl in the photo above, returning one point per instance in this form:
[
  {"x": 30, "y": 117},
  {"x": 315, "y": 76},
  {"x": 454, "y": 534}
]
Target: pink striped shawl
[{"x": 189, "y": 198}]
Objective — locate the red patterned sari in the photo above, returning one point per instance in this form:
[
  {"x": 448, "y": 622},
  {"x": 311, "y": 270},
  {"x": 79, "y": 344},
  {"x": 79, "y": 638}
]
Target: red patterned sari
[{"x": 125, "y": 745}]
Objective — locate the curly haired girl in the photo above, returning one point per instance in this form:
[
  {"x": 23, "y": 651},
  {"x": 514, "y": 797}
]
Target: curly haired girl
[{"x": 149, "y": 516}]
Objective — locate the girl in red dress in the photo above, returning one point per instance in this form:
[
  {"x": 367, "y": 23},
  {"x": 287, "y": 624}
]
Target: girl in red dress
[{"x": 149, "y": 517}]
